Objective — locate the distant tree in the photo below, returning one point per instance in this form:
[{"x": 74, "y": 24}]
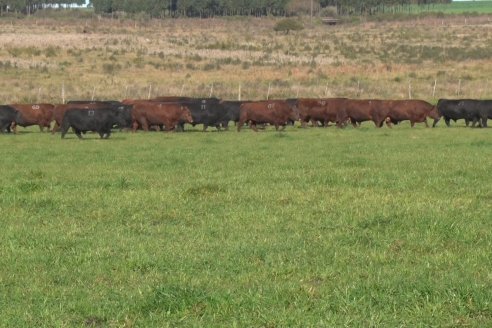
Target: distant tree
[
  {"x": 302, "y": 6},
  {"x": 288, "y": 24}
]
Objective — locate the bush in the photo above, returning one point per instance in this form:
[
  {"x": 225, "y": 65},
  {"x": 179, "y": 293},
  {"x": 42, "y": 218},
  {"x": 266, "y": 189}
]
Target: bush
[{"x": 287, "y": 25}]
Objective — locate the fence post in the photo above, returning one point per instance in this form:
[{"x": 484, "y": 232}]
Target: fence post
[{"x": 63, "y": 92}]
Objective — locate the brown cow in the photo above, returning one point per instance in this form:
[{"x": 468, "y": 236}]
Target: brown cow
[
  {"x": 416, "y": 111},
  {"x": 33, "y": 114},
  {"x": 276, "y": 112},
  {"x": 319, "y": 110},
  {"x": 146, "y": 113},
  {"x": 362, "y": 110}
]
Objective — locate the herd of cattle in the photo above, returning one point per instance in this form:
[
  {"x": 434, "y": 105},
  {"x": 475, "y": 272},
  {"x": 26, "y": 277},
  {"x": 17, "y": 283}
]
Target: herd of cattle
[{"x": 171, "y": 113}]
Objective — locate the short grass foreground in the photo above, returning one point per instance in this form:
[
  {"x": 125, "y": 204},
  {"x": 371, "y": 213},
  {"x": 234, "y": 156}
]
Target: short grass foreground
[{"x": 322, "y": 228}]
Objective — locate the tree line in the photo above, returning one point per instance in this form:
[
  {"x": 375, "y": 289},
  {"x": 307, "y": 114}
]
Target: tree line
[
  {"x": 210, "y": 8},
  {"x": 30, "y": 6}
]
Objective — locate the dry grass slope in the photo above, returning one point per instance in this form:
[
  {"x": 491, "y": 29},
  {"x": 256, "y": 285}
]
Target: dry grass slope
[{"x": 123, "y": 58}]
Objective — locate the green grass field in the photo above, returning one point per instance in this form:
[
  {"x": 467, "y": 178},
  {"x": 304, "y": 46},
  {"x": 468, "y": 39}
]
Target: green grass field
[
  {"x": 459, "y": 7},
  {"x": 308, "y": 228}
]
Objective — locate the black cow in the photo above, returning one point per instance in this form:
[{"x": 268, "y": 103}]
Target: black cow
[
  {"x": 98, "y": 120},
  {"x": 457, "y": 109},
  {"x": 481, "y": 109},
  {"x": 206, "y": 111},
  {"x": 232, "y": 110},
  {"x": 7, "y": 118},
  {"x": 92, "y": 102}
]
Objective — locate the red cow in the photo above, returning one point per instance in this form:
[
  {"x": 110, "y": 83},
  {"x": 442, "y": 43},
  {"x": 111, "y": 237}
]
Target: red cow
[
  {"x": 33, "y": 114},
  {"x": 146, "y": 113},
  {"x": 358, "y": 111},
  {"x": 319, "y": 110},
  {"x": 415, "y": 111},
  {"x": 276, "y": 112}
]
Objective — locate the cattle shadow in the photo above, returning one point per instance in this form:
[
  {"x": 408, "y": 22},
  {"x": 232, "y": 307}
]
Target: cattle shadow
[{"x": 110, "y": 139}]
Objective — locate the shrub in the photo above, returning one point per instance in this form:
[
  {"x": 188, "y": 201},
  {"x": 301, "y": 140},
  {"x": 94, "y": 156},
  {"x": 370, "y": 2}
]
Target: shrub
[{"x": 287, "y": 25}]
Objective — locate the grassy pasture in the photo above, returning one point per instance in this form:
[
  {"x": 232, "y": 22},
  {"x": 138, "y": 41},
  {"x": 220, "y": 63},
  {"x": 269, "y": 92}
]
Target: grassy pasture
[
  {"x": 460, "y": 7},
  {"x": 320, "y": 227}
]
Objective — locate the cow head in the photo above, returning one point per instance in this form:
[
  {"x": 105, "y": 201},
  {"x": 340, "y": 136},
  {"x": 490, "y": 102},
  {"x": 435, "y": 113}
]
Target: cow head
[
  {"x": 186, "y": 115},
  {"x": 123, "y": 115},
  {"x": 294, "y": 114}
]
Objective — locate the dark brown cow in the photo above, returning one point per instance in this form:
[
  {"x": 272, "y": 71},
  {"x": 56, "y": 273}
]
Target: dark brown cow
[
  {"x": 33, "y": 114},
  {"x": 319, "y": 110},
  {"x": 146, "y": 113},
  {"x": 415, "y": 111},
  {"x": 362, "y": 110},
  {"x": 276, "y": 112}
]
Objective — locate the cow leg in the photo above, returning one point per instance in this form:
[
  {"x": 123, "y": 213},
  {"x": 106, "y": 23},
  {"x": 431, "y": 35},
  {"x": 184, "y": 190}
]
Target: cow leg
[
  {"x": 101, "y": 134},
  {"x": 484, "y": 122},
  {"x": 134, "y": 126},
  {"x": 145, "y": 125},
  {"x": 426, "y": 124},
  {"x": 64, "y": 128},
  {"x": 107, "y": 134},
  {"x": 78, "y": 133},
  {"x": 467, "y": 122},
  {"x": 253, "y": 126},
  {"x": 446, "y": 120},
  {"x": 412, "y": 124},
  {"x": 354, "y": 122},
  {"x": 205, "y": 126},
  {"x": 56, "y": 127}
]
